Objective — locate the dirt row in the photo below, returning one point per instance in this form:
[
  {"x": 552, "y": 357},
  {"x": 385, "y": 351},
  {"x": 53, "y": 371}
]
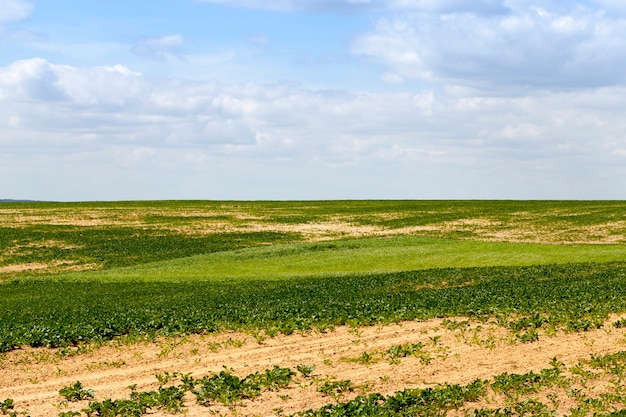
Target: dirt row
[{"x": 33, "y": 377}]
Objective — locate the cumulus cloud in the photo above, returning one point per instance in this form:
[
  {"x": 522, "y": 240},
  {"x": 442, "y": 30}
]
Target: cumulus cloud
[
  {"x": 159, "y": 48},
  {"x": 250, "y": 140},
  {"x": 530, "y": 46},
  {"x": 37, "y": 80},
  {"x": 31, "y": 79}
]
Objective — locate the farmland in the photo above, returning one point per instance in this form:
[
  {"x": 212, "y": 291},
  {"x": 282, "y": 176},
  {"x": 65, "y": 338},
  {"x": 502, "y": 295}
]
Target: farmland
[{"x": 313, "y": 308}]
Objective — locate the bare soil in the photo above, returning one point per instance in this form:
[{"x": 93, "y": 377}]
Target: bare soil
[{"x": 33, "y": 377}]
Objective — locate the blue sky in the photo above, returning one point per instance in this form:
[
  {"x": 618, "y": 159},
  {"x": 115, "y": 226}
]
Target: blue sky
[{"x": 312, "y": 99}]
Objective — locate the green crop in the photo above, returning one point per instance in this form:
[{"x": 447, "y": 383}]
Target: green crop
[
  {"x": 412, "y": 402},
  {"x": 228, "y": 389},
  {"x": 106, "y": 235},
  {"x": 7, "y": 409},
  {"x": 396, "y": 352},
  {"x": 223, "y": 388},
  {"x": 355, "y": 256},
  {"x": 305, "y": 370},
  {"x": 530, "y": 394},
  {"x": 110, "y": 247},
  {"x": 516, "y": 384},
  {"x": 75, "y": 392},
  {"x": 170, "y": 398},
  {"x": 6, "y": 405},
  {"x": 59, "y": 313},
  {"x": 174, "y": 268},
  {"x": 335, "y": 388},
  {"x": 121, "y": 408}
]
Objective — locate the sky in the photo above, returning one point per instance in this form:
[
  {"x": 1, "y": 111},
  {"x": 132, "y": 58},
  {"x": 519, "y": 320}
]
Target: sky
[{"x": 312, "y": 99}]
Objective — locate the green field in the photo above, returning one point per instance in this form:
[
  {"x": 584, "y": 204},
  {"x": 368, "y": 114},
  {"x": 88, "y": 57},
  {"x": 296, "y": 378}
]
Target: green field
[
  {"x": 51, "y": 238},
  {"x": 75, "y": 276},
  {"x": 356, "y": 256},
  {"x": 60, "y": 313},
  {"x": 162, "y": 268}
]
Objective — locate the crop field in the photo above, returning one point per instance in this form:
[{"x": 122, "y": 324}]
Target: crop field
[{"x": 313, "y": 308}]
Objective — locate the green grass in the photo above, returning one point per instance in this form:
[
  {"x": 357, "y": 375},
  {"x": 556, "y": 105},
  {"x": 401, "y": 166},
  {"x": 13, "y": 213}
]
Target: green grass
[{"x": 400, "y": 253}]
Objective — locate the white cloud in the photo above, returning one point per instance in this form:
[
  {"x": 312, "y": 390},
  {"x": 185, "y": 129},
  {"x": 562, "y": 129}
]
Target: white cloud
[
  {"x": 531, "y": 46},
  {"x": 347, "y": 6},
  {"x": 14, "y": 10},
  {"x": 30, "y": 79},
  {"x": 37, "y": 80},
  {"x": 293, "y": 5},
  {"x": 129, "y": 136},
  {"x": 160, "y": 48},
  {"x": 392, "y": 78},
  {"x": 120, "y": 69}
]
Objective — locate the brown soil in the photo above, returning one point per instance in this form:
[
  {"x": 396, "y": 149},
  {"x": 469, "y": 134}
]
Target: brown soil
[
  {"x": 33, "y": 377},
  {"x": 31, "y": 266}
]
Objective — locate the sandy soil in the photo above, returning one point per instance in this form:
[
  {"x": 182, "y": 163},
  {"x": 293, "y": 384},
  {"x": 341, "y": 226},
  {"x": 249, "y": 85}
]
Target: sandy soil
[{"x": 33, "y": 377}]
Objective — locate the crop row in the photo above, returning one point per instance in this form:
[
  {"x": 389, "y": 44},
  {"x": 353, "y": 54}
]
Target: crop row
[
  {"x": 540, "y": 394},
  {"x": 58, "y": 313},
  {"x": 551, "y": 391},
  {"x": 222, "y": 387}
]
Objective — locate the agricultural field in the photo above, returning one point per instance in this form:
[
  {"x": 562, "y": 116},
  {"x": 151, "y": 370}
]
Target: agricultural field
[{"x": 313, "y": 308}]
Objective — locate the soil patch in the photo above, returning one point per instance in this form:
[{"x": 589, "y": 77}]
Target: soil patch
[{"x": 33, "y": 377}]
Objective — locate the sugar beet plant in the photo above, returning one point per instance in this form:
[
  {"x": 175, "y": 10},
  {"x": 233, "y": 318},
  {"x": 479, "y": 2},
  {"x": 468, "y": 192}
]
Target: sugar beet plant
[
  {"x": 59, "y": 313},
  {"x": 412, "y": 402},
  {"x": 7, "y": 409},
  {"x": 227, "y": 389},
  {"x": 75, "y": 392},
  {"x": 540, "y": 394},
  {"x": 553, "y": 391},
  {"x": 220, "y": 388}
]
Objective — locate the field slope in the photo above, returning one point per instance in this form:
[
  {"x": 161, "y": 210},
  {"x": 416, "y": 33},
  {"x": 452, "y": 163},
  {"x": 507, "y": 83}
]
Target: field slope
[{"x": 334, "y": 297}]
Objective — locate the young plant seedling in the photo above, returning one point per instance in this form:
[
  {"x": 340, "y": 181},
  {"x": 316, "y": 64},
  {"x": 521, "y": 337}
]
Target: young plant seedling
[{"x": 76, "y": 392}]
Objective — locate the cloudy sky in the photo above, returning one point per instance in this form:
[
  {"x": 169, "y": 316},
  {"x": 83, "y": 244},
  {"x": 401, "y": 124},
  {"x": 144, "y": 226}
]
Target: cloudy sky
[{"x": 312, "y": 99}]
